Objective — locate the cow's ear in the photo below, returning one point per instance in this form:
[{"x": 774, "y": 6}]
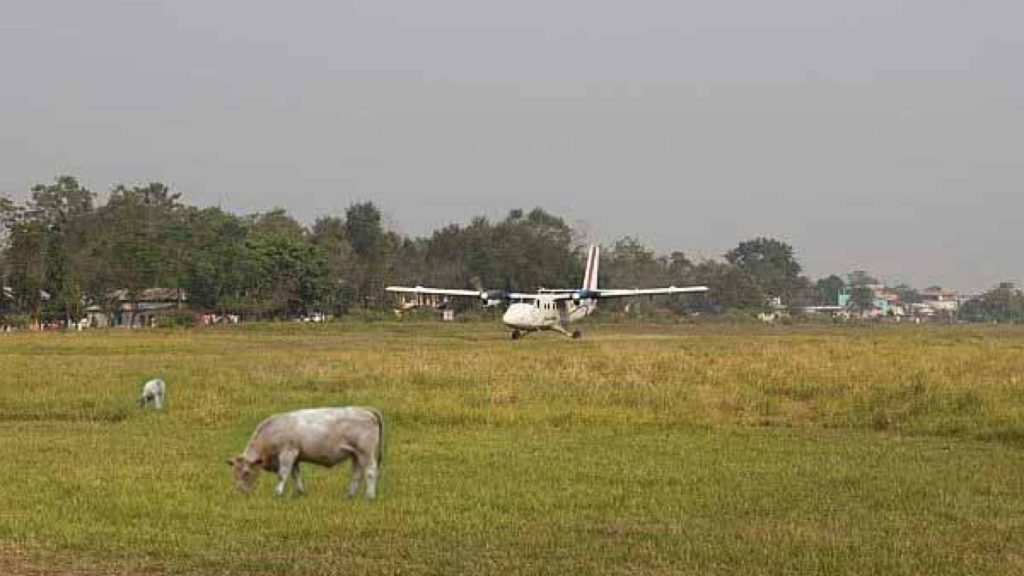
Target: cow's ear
[{"x": 230, "y": 462}]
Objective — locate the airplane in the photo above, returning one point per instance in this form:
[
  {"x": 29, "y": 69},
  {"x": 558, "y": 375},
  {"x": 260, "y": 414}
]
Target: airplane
[{"x": 549, "y": 309}]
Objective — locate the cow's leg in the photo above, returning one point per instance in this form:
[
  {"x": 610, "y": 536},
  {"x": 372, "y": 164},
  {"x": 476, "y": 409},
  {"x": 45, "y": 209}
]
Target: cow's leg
[
  {"x": 368, "y": 464},
  {"x": 158, "y": 401},
  {"x": 357, "y": 476},
  {"x": 297, "y": 478},
  {"x": 371, "y": 478},
  {"x": 285, "y": 461}
]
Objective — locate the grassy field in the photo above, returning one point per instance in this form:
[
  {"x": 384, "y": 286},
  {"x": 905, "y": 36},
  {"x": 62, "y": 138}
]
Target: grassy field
[{"x": 658, "y": 450}]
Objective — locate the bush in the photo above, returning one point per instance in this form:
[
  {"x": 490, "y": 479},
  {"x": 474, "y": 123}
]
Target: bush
[{"x": 19, "y": 321}]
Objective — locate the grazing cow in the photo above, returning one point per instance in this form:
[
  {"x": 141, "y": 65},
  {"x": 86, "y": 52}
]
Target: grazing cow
[
  {"x": 152, "y": 391},
  {"x": 324, "y": 436}
]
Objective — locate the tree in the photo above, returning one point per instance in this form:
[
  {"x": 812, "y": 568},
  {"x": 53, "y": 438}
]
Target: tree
[
  {"x": 860, "y": 278},
  {"x": 533, "y": 251},
  {"x": 218, "y": 268},
  {"x": 27, "y": 262},
  {"x": 8, "y": 212},
  {"x": 140, "y": 239},
  {"x": 365, "y": 234},
  {"x": 1004, "y": 303},
  {"x": 907, "y": 293},
  {"x": 862, "y": 298},
  {"x": 524, "y": 251},
  {"x": 729, "y": 287},
  {"x": 769, "y": 263},
  {"x": 829, "y": 289},
  {"x": 329, "y": 236},
  {"x": 59, "y": 203},
  {"x": 630, "y": 264},
  {"x": 60, "y": 209},
  {"x": 679, "y": 268}
]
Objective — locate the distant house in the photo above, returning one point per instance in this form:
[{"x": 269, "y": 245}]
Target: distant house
[
  {"x": 140, "y": 310},
  {"x": 884, "y": 302},
  {"x": 936, "y": 301}
]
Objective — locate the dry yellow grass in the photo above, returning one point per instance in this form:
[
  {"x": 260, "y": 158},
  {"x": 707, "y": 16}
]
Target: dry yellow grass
[{"x": 637, "y": 450}]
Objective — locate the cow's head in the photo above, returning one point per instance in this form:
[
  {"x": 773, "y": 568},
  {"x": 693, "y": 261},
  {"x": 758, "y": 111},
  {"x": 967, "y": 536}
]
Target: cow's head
[{"x": 245, "y": 472}]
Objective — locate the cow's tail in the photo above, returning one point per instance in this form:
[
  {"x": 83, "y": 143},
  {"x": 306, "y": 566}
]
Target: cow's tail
[{"x": 380, "y": 435}]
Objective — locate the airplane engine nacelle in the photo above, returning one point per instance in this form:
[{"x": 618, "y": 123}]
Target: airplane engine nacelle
[
  {"x": 492, "y": 297},
  {"x": 579, "y": 295}
]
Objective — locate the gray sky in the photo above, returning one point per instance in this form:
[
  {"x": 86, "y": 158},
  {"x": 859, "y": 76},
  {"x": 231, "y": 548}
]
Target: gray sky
[{"x": 877, "y": 134}]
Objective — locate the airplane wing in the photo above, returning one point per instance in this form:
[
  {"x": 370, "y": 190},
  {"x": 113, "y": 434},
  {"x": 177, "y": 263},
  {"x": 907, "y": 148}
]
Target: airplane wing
[
  {"x": 619, "y": 293},
  {"x": 437, "y": 291},
  {"x": 548, "y": 294},
  {"x": 535, "y": 295},
  {"x": 616, "y": 293}
]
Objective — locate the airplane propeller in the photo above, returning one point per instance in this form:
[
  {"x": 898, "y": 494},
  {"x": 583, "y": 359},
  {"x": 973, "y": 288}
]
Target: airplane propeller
[
  {"x": 489, "y": 297},
  {"x": 492, "y": 297},
  {"x": 580, "y": 295}
]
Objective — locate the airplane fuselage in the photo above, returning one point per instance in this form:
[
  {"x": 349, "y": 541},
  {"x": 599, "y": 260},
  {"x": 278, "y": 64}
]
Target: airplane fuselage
[{"x": 545, "y": 314}]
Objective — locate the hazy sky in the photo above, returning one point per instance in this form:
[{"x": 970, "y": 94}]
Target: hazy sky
[{"x": 878, "y": 134}]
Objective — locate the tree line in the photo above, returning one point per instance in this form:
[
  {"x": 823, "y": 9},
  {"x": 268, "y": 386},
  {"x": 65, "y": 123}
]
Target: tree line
[{"x": 61, "y": 251}]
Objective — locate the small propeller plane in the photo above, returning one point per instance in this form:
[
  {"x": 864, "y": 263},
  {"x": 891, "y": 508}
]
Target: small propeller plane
[{"x": 549, "y": 309}]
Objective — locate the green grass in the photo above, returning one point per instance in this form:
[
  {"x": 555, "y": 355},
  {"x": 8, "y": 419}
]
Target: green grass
[{"x": 638, "y": 450}]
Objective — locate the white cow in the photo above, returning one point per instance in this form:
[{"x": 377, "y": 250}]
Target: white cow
[
  {"x": 152, "y": 391},
  {"x": 324, "y": 436}
]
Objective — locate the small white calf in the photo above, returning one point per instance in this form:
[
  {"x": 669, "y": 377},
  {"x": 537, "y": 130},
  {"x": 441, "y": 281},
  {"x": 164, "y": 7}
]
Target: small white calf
[
  {"x": 324, "y": 436},
  {"x": 152, "y": 391}
]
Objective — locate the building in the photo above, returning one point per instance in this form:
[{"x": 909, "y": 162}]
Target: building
[
  {"x": 937, "y": 302},
  {"x": 141, "y": 310},
  {"x": 884, "y": 302}
]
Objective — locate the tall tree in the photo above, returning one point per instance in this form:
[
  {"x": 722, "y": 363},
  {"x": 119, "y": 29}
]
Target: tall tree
[
  {"x": 8, "y": 212},
  {"x": 290, "y": 273},
  {"x": 139, "y": 239},
  {"x": 630, "y": 264},
  {"x": 329, "y": 236},
  {"x": 862, "y": 298},
  {"x": 769, "y": 263},
  {"x": 218, "y": 264},
  {"x": 829, "y": 289},
  {"x": 729, "y": 287},
  {"x": 860, "y": 278},
  {"x": 365, "y": 234},
  {"x": 532, "y": 251},
  {"x": 1003, "y": 303},
  {"x": 40, "y": 238},
  {"x": 27, "y": 263}
]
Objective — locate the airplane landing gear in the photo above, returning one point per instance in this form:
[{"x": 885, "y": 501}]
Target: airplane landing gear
[{"x": 575, "y": 334}]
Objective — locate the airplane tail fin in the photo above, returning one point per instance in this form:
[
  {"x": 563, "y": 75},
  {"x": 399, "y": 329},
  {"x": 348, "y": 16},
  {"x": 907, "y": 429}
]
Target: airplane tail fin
[{"x": 593, "y": 262}]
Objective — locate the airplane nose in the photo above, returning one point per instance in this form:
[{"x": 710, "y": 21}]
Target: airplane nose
[{"x": 513, "y": 316}]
